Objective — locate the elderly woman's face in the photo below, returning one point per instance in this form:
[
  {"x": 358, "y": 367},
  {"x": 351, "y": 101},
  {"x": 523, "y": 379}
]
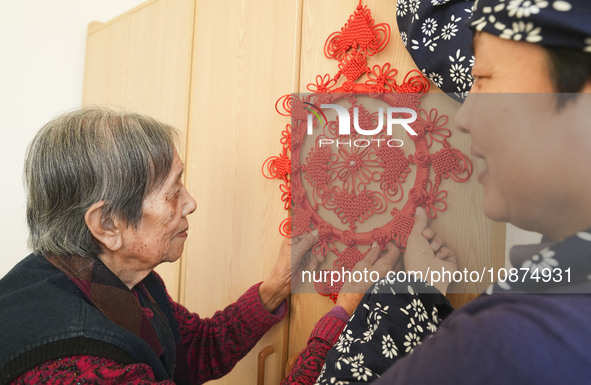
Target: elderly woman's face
[
  {"x": 514, "y": 134},
  {"x": 162, "y": 230}
]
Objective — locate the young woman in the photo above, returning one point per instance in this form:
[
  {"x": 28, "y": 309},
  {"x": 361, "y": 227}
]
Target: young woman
[{"x": 527, "y": 118}]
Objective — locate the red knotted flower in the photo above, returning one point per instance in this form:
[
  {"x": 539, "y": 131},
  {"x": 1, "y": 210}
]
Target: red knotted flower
[
  {"x": 382, "y": 76},
  {"x": 434, "y": 126},
  {"x": 286, "y": 137},
  {"x": 323, "y": 84},
  {"x": 286, "y": 196},
  {"x": 434, "y": 200}
]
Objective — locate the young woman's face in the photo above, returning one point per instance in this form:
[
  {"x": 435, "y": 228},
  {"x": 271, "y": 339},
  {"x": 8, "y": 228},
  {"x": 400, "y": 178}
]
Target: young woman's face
[{"x": 518, "y": 133}]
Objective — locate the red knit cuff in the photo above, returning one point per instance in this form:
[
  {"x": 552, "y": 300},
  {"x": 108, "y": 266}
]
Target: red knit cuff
[
  {"x": 254, "y": 313},
  {"x": 340, "y": 313},
  {"x": 328, "y": 328}
]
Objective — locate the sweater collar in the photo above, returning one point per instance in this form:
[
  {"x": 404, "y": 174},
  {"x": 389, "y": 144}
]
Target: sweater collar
[{"x": 109, "y": 294}]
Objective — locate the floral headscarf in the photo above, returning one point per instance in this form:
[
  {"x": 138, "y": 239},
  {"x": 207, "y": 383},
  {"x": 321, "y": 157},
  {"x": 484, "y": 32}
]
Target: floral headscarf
[
  {"x": 435, "y": 34},
  {"x": 553, "y": 23}
]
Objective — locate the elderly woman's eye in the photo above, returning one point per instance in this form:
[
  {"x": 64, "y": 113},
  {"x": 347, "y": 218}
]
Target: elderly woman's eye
[{"x": 173, "y": 194}]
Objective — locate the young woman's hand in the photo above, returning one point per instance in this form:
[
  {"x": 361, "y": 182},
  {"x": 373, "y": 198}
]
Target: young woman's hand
[{"x": 427, "y": 252}]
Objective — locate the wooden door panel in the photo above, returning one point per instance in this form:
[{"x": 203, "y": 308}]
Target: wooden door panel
[
  {"x": 141, "y": 61},
  {"x": 245, "y": 58}
]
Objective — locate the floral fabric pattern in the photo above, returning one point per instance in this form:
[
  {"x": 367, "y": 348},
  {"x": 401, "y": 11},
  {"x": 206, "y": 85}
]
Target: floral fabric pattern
[
  {"x": 435, "y": 34},
  {"x": 563, "y": 266},
  {"x": 392, "y": 319},
  {"x": 437, "y": 39},
  {"x": 558, "y": 23}
]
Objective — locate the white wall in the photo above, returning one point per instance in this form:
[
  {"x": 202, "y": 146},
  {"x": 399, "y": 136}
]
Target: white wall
[{"x": 41, "y": 70}]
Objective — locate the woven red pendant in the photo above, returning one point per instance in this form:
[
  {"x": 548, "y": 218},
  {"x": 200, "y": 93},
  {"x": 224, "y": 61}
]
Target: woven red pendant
[{"x": 335, "y": 190}]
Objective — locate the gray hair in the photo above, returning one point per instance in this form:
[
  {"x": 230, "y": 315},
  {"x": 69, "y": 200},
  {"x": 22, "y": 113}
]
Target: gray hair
[{"x": 87, "y": 156}]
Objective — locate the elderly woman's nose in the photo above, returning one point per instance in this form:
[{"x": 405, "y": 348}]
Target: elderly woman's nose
[{"x": 190, "y": 205}]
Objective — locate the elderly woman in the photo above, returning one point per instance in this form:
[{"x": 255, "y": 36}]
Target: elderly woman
[
  {"x": 527, "y": 116},
  {"x": 105, "y": 205}
]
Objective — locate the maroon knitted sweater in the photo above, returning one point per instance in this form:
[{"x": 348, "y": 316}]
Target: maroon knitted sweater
[{"x": 213, "y": 345}]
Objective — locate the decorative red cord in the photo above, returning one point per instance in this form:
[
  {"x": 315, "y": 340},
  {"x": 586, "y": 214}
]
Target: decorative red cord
[{"x": 340, "y": 181}]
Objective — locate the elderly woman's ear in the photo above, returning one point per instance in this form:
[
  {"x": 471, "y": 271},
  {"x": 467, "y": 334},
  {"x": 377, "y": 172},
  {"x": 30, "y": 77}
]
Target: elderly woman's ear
[{"x": 103, "y": 228}]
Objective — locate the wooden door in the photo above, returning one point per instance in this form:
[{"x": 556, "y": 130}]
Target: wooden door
[
  {"x": 141, "y": 61},
  {"x": 244, "y": 58}
]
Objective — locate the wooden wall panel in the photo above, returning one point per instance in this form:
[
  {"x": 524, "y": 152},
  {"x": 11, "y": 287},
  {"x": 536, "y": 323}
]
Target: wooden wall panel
[
  {"x": 106, "y": 64},
  {"x": 476, "y": 239},
  {"x": 141, "y": 61},
  {"x": 245, "y": 58}
]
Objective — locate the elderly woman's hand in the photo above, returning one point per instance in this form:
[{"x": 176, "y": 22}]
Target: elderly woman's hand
[{"x": 290, "y": 263}]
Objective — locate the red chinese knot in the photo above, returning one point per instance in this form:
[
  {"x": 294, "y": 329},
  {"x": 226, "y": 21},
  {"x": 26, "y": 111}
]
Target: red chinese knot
[{"x": 356, "y": 183}]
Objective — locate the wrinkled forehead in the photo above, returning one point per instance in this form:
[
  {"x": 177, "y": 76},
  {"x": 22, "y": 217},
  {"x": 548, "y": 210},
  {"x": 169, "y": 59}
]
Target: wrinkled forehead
[{"x": 552, "y": 23}]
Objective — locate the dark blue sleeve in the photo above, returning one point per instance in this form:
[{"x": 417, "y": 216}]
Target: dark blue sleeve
[{"x": 504, "y": 339}]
